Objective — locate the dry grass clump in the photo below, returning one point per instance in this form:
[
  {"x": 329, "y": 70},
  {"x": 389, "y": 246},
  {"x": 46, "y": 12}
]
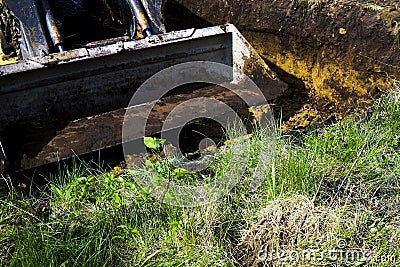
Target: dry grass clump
[{"x": 287, "y": 225}]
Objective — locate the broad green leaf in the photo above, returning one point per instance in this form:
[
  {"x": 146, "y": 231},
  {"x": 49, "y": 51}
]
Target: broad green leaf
[{"x": 153, "y": 142}]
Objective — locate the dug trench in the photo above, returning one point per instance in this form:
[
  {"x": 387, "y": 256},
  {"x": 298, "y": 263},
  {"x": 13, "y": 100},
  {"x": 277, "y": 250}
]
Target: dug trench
[{"x": 336, "y": 57}]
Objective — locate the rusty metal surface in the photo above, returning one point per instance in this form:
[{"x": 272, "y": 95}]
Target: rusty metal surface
[
  {"x": 105, "y": 130},
  {"x": 71, "y": 103},
  {"x": 86, "y": 82}
]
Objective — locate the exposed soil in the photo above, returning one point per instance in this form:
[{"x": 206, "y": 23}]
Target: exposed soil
[{"x": 336, "y": 55}]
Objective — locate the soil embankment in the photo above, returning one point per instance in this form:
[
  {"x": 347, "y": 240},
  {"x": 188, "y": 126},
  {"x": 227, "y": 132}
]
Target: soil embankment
[{"x": 336, "y": 55}]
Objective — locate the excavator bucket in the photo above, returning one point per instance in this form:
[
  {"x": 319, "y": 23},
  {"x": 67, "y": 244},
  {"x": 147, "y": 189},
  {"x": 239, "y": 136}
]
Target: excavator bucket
[{"x": 56, "y": 105}]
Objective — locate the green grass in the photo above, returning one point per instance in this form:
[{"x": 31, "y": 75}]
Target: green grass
[{"x": 326, "y": 185}]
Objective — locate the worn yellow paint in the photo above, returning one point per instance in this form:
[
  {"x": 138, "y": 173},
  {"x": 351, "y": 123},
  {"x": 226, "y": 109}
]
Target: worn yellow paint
[{"x": 4, "y": 59}]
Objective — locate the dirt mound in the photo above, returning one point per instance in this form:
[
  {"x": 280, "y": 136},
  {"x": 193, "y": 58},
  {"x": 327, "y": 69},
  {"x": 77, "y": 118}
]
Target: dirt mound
[{"x": 336, "y": 55}]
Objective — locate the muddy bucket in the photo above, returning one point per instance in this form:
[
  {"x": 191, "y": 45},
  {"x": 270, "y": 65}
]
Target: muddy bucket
[{"x": 73, "y": 103}]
